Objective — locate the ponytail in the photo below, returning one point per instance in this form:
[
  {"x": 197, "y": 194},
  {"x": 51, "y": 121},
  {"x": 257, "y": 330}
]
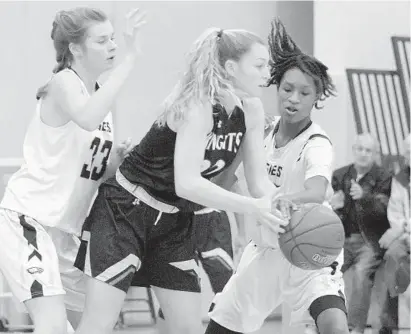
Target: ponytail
[{"x": 203, "y": 80}]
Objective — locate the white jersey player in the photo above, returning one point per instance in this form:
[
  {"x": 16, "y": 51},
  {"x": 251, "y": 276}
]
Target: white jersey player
[
  {"x": 67, "y": 151},
  {"x": 299, "y": 158}
]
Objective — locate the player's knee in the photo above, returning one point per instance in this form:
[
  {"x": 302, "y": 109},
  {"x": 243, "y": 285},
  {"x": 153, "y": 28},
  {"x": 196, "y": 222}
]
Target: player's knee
[
  {"x": 50, "y": 326},
  {"x": 332, "y": 320},
  {"x": 48, "y": 315},
  {"x": 180, "y": 323},
  {"x": 330, "y": 314}
]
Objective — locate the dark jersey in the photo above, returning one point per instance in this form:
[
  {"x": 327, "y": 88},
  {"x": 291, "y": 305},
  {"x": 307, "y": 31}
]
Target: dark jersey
[{"x": 151, "y": 163}]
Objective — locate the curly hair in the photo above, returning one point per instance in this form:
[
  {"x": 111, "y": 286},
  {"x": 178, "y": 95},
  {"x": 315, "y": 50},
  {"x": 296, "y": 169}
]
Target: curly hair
[{"x": 285, "y": 55}]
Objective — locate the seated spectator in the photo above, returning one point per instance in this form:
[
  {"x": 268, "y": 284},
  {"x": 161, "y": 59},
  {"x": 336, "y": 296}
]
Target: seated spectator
[{"x": 361, "y": 196}]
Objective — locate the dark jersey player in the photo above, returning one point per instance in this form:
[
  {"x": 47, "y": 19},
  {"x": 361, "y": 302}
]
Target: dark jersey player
[{"x": 142, "y": 218}]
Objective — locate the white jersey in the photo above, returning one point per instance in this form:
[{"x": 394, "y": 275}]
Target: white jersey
[
  {"x": 307, "y": 155},
  {"x": 62, "y": 169}
]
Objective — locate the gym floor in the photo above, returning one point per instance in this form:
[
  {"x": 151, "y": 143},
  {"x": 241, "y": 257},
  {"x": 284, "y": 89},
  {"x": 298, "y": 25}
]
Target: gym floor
[{"x": 270, "y": 327}]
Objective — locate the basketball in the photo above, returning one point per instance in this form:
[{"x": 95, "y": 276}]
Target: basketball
[{"x": 314, "y": 237}]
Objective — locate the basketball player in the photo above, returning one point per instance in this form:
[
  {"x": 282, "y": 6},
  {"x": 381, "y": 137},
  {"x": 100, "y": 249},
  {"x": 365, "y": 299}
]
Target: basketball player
[
  {"x": 299, "y": 159},
  {"x": 66, "y": 155},
  {"x": 142, "y": 219}
]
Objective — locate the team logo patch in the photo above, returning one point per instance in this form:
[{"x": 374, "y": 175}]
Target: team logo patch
[{"x": 35, "y": 270}]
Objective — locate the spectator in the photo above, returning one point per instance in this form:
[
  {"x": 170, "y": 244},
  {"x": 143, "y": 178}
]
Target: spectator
[
  {"x": 397, "y": 241},
  {"x": 361, "y": 196}
]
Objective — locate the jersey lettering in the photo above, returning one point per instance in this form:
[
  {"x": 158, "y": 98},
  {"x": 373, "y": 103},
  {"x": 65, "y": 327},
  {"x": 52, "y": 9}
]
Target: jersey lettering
[
  {"x": 98, "y": 161},
  {"x": 274, "y": 170},
  {"x": 229, "y": 142}
]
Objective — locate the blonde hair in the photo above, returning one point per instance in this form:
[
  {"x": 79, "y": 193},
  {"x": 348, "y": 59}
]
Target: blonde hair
[{"x": 205, "y": 76}]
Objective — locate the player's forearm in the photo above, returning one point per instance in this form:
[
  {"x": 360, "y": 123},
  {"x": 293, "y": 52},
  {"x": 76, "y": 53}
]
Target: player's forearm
[
  {"x": 204, "y": 192},
  {"x": 102, "y": 100},
  {"x": 306, "y": 196},
  {"x": 261, "y": 187}
]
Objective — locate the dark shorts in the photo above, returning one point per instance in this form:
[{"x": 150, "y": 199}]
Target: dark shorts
[
  {"x": 212, "y": 234},
  {"x": 212, "y": 231},
  {"x": 127, "y": 242}
]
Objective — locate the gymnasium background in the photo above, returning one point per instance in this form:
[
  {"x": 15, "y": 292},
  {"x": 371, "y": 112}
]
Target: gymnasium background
[{"x": 342, "y": 34}]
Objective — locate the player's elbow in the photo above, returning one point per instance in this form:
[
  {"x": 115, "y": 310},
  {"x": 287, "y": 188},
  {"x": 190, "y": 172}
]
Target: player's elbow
[
  {"x": 318, "y": 196},
  {"x": 84, "y": 118},
  {"x": 86, "y": 124}
]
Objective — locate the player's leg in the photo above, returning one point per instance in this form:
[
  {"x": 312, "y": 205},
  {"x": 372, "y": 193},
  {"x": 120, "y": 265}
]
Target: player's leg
[
  {"x": 319, "y": 294},
  {"x": 214, "y": 245},
  {"x": 28, "y": 261},
  {"x": 182, "y": 310},
  {"x": 109, "y": 254},
  {"x": 171, "y": 268},
  {"x": 48, "y": 314},
  {"x": 212, "y": 235},
  {"x": 215, "y": 328},
  {"x": 102, "y": 308},
  {"x": 73, "y": 279},
  {"x": 332, "y": 320},
  {"x": 250, "y": 295},
  {"x": 368, "y": 261}
]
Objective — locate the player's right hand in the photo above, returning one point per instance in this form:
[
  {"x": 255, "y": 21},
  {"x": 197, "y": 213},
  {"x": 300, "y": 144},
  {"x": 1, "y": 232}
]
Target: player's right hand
[
  {"x": 135, "y": 19},
  {"x": 266, "y": 215}
]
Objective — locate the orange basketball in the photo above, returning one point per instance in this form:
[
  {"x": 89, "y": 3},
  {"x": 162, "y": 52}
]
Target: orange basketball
[{"x": 314, "y": 237}]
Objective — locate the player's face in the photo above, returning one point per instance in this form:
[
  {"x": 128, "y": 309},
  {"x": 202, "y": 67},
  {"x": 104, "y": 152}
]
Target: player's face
[
  {"x": 296, "y": 95},
  {"x": 364, "y": 151},
  {"x": 99, "y": 48},
  {"x": 250, "y": 74}
]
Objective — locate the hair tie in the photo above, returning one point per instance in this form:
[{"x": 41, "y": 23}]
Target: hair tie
[{"x": 219, "y": 33}]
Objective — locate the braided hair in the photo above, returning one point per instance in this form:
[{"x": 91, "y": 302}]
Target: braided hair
[{"x": 285, "y": 55}]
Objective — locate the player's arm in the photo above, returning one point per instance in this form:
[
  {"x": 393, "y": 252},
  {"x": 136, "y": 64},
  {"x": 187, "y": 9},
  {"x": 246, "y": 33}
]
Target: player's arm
[
  {"x": 228, "y": 178},
  {"x": 318, "y": 161},
  {"x": 188, "y": 158},
  {"x": 255, "y": 169},
  {"x": 88, "y": 112}
]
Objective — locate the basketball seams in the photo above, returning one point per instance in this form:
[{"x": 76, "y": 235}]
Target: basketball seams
[
  {"x": 299, "y": 247},
  {"x": 314, "y": 207},
  {"x": 292, "y": 237},
  {"x": 310, "y": 230},
  {"x": 325, "y": 247},
  {"x": 302, "y": 217}
]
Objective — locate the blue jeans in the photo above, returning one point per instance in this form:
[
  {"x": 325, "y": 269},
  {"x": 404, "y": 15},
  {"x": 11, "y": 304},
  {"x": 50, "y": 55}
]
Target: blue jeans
[{"x": 363, "y": 259}]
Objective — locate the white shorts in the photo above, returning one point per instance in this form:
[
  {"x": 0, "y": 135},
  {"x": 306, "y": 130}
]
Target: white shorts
[
  {"x": 38, "y": 261},
  {"x": 264, "y": 280}
]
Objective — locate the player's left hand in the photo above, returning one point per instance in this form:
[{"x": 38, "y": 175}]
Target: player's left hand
[
  {"x": 356, "y": 191},
  {"x": 285, "y": 206},
  {"x": 124, "y": 148}
]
